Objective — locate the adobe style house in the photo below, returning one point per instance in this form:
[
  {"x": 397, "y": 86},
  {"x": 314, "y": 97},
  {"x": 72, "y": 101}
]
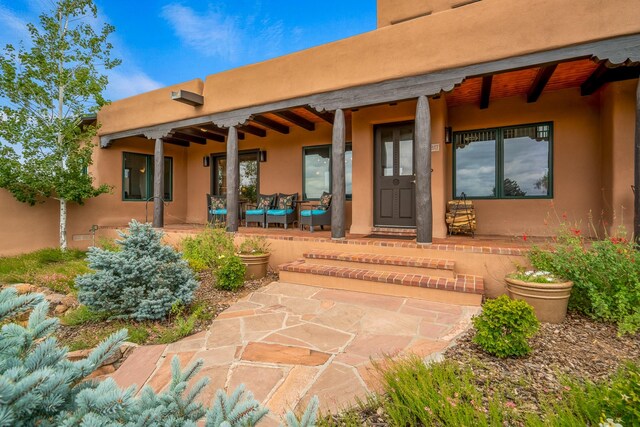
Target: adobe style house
[{"x": 527, "y": 107}]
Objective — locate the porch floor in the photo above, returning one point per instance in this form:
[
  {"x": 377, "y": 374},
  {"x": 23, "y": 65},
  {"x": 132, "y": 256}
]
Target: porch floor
[{"x": 479, "y": 243}]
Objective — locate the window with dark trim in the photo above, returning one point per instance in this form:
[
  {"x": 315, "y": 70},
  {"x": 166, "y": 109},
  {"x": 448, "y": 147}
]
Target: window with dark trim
[
  {"x": 511, "y": 162},
  {"x": 316, "y": 171},
  {"x": 137, "y": 177}
]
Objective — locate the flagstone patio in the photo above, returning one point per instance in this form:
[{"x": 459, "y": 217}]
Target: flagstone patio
[{"x": 289, "y": 342}]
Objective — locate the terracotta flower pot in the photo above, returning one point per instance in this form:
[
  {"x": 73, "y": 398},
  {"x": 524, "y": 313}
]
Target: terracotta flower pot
[
  {"x": 256, "y": 265},
  {"x": 549, "y": 300}
]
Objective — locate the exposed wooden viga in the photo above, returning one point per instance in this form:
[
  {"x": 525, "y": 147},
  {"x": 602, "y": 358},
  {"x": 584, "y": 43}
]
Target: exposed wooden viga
[{"x": 461, "y": 217}]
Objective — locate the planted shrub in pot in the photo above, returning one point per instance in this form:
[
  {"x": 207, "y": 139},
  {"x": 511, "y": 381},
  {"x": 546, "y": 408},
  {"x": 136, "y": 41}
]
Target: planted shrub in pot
[
  {"x": 254, "y": 253},
  {"x": 546, "y": 293}
]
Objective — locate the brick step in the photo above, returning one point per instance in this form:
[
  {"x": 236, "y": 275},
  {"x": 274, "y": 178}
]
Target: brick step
[
  {"x": 394, "y": 231},
  {"x": 463, "y": 289},
  {"x": 390, "y": 263}
]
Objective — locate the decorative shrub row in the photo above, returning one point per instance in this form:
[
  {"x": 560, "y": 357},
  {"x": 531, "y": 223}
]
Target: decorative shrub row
[{"x": 605, "y": 275}]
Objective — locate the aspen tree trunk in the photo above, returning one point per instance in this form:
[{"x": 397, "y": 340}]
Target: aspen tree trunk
[{"x": 63, "y": 224}]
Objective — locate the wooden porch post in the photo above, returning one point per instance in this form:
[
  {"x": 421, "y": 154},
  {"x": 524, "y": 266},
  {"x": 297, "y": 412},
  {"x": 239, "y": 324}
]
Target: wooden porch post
[
  {"x": 424, "y": 203},
  {"x": 233, "y": 179},
  {"x": 338, "y": 176},
  {"x": 636, "y": 171},
  {"x": 158, "y": 184}
]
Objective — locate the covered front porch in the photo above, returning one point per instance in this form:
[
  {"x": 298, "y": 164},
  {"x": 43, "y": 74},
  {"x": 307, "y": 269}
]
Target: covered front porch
[{"x": 395, "y": 186}]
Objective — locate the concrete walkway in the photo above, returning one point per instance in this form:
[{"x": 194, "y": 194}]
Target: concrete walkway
[{"x": 289, "y": 342}]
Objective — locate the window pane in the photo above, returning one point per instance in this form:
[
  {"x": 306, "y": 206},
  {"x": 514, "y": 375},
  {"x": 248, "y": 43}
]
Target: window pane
[
  {"x": 134, "y": 184},
  {"x": 387, "y": 152},
  {"x": 475, "y": 154},
  {"x": 406, "y": 152},
  {"x": 526, "y": 161},
  {"x": 317, "y": 173},
  {"x": 348, "y": 168},
  {"x": 168, "y": 173}
]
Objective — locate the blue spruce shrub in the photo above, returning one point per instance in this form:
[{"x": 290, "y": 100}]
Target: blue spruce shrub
[
  {"x": 141, "y": 281},
  {"x": 39, "y": 386}
]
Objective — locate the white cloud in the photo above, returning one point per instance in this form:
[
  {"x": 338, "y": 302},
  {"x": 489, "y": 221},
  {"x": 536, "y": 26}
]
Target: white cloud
[
  {"x": 125, "y": 81},
  {"x": 211, "y": 34},
  {"x": 14, "y": 27},
  {"x": 225, "y": 36}
]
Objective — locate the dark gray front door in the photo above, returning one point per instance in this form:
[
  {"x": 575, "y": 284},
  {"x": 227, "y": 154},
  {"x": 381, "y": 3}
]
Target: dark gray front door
[{"x": 394, "y": 198}]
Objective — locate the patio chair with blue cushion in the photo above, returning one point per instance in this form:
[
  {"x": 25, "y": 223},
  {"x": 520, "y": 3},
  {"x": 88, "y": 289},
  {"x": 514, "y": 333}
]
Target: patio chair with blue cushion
[
  {"x": 317, "y": 215},
  {"x": 216, "y": 208},
  {"x": 285, "y": 210},
  {"x": 258, "y": 212}
]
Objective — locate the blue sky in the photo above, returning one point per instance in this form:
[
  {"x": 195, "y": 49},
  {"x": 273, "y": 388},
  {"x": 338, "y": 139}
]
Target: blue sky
[{"x": 162, "y": 42}]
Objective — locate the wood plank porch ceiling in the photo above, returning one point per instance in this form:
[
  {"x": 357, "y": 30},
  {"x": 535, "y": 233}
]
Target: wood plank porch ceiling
[{"x": 571, "y": 74}]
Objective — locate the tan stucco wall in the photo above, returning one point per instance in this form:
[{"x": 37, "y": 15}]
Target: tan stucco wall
[
  {"x": 395, "y": 11},
  {"x": 618, "y": 103},
  {"x": 479, "y": 32},
  {"x": 576, "y": 161},
  {"x": 27, "y": 228}
]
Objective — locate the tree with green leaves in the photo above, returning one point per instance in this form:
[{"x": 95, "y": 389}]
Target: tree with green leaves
[{"x": 47, "y": 85}]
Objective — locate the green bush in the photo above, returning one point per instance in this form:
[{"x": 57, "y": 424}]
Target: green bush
[
  {"x": 141, "y": 282},
  {"x": 505, "y": 326},
  {"x": 605, "y": 275},
  {"x": 441, "y": 394},
  {"x": 589, "y": 403},
  {"x": 204, "y": 251},
  {"x": 230, "y": 273},
  {"x": 256, "y": 245}
]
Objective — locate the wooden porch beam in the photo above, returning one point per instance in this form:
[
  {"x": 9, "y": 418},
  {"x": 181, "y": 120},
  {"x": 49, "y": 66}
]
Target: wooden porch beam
[
  {"x": 424, "y": 202},
  {"x": 607, "y": 74},
  {"x": 487, "y": 81},
  {"x": 200, "y": 134},
  {"x": 176, "y": 141},
  {"x": 539, "y": 83},
  {"x": 271, "y": 124},
  {"x": 190, "y": 138},
  {"x": 338, "y": 189},
  {"x": 327, "y": 116},
  {"x": 158, "y": 184},
  {"x": 233, "y": 179},
  {"x": 253, "y": 130},
  {"x": 215, "y": 129},
  {"x": 296, "y": 119}
]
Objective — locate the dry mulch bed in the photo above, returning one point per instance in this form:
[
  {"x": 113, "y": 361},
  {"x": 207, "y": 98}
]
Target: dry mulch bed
[{"x": 579, "y": 348}]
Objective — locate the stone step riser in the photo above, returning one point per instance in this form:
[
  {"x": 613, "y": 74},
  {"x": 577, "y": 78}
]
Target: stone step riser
[
  {"x": 380, "y": 288},
  {"x": 427, "y": 271}
]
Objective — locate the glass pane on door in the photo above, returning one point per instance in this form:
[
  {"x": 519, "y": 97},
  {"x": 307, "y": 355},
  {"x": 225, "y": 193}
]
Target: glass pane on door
[
  {"x": 386, "y": 156},
  {"x": 221, "y": 178},
  {"x": 249, "y": 178},
  {"x": 406, "y": 152}
]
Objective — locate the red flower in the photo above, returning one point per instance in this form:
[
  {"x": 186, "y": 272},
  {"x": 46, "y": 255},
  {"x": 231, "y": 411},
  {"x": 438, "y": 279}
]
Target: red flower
[
  {"x": 524, "y": 236},
  {"x": 564, "y": 215},
  {"x": 576, "y": 231}
]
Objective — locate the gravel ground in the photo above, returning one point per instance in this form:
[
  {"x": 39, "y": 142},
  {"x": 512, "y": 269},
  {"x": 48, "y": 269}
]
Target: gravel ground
[{"x": 579, "y": 348}]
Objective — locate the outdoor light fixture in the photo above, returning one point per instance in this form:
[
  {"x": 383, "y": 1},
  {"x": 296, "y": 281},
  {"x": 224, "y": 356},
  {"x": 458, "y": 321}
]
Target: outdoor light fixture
[
  {"x": 263, "y": 156},
  {"x": 205, "y": 161},
  {"x": 448, "y": 135}
]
